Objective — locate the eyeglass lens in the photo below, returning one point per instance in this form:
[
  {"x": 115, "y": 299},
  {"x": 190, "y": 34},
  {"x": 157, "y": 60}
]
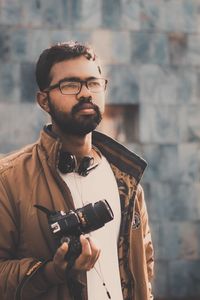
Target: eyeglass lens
[{"x": 74, "y": 87}]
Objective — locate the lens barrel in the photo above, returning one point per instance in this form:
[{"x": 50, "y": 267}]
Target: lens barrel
[{"x": 94, "y": 216}]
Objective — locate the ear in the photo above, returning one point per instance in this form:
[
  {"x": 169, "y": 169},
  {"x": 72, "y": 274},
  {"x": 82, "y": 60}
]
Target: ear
[{"x": 42, "y": 99}]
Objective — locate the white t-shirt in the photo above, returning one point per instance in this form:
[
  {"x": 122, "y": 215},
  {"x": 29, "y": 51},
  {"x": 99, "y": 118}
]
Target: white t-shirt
[{"x": 100, "y": 184}]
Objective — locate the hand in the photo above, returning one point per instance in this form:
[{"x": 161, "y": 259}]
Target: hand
[
  {"x": 59, "y": 261},
  {"x": 89, "y": 255},
  {"x": 86, "y": 260}
]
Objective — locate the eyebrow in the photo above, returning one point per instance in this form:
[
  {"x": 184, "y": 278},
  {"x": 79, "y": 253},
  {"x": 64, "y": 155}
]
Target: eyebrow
[{"x": 76, "y": 78}]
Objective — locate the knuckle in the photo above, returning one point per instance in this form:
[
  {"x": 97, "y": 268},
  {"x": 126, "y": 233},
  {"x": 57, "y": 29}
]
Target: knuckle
[{"x": 87, "y": 255}]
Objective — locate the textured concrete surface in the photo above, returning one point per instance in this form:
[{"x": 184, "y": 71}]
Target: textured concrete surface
[{"x": 150, "y": 51}]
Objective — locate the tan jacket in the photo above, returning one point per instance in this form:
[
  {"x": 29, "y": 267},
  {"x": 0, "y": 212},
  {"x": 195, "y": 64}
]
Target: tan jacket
[{"x": 30, "y": 177}]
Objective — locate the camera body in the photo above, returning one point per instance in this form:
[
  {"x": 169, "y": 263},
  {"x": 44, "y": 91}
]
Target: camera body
[{"x": 68, "y": 226}]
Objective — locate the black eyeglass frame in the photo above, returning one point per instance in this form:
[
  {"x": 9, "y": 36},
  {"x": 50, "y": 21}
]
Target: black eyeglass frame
[{"x": 82, "y": 82}]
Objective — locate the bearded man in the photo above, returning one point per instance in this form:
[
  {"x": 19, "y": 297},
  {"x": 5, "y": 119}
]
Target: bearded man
[{"x": 69, "y": 169}]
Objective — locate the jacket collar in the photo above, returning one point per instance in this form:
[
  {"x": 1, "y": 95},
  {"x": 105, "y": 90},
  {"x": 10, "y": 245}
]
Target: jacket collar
[
  {"x": 119, "y": 155},
  {"x": 116, "y": 154}
]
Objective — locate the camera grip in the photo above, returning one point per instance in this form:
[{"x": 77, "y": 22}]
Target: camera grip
[{"x": 74, "y": 249}]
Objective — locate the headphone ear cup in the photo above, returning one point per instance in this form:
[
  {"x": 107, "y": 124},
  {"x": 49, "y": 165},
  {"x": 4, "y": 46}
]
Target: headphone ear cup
[
  {"x": 67, "y": 162},
  {"x": 86, "y": 162}
]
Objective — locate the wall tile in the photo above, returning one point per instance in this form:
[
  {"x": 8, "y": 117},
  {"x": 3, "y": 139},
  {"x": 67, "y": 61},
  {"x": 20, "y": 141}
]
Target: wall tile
[
  {"x": 162, "y": 162},
  {"x": 170, "y": 16},
  {"x": 111, "y": 14},
  {"x": 57, "y": 36},
  {"x": 178, "y": 240},
  {"x": 49, "y": 13},
  {"x": 158, "y": 124},
  {"x": 184, "y": 49},
  {"x": 147, "y": 46},
  {"x": 10, "y": 12},
  {"x": 86, "y": 14},
  {"x": 130, "y": 14},
  {"x": 123, "y": 84},
  {"x": 189, "y": 123},
  {"x": 189, "y": 162},
  {"x": 160, "y": 289},
  {"x": 157, "y": 84},
  {"x": 113, "y": 47},
  {"x": 152, "y": 14},
  {"x": 37, "y": 41},
  {"x": 177, "y": 201},
  {"x": 9, "y": 83},
  {"x": 184, "y": 278},
  {"x": 4, "y": 43},
  {"x": 20, "y": 124},
  {"x": 168, "y": 85},
  {"x": 183, "y": 16},
  {"x": 28, "y": 84}
]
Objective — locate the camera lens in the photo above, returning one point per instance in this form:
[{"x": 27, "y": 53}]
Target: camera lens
[
  {"x": 93, "y": 217},
  {"x": 103, "y": 211}
]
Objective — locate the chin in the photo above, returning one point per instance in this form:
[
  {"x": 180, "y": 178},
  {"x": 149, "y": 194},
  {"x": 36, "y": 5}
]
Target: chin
[{"x": 78, "y": 129}]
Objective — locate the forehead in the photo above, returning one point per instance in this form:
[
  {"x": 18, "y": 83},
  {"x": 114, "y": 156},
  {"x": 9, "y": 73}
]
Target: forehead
[{"x": 79, "y": 67}]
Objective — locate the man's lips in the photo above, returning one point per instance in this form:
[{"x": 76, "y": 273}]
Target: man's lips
[{"x": 86, "y": 108}]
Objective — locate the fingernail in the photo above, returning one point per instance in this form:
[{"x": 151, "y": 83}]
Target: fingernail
[
  {"x": 64, "y": 246},
  {"x": 65, "y": 240}
]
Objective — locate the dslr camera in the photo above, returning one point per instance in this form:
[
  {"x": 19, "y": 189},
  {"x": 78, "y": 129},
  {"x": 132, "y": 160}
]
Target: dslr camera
[{"x": 69, "y": 226}]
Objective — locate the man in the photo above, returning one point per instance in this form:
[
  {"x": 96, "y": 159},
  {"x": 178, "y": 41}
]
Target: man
[{"x": 70, "y": 166}]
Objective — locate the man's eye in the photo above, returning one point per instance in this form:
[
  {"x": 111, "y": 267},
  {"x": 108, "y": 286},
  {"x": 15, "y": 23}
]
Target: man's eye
[
  {"x": 69, "y": 85},
  {"x": 94, "y": 84}
]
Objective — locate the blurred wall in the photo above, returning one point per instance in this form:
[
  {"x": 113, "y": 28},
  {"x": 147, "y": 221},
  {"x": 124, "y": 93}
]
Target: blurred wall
[{"x": 151, "y": 52}]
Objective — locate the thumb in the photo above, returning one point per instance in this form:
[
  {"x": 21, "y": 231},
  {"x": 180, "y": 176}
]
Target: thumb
[{"x": 61, "y": 252}]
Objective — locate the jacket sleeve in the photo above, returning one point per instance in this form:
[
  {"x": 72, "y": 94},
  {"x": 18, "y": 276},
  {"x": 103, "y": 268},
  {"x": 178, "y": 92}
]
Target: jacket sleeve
[
  {"x": 148, "y": 245},
  {"x": 19, "y": 276}
]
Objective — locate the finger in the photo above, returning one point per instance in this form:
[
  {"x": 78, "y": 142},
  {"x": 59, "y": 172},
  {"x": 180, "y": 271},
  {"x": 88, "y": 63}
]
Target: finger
[
  {"x": 93, "y": 262},
  {"x": 59, "y": 261},
  {"x": 86, "y": 249},
  {"x": 85, "y": 256},
  {"x": 95, "y": 253},
  {"x": 61, "y": 252},
  {"x": 90, "y": 254}
]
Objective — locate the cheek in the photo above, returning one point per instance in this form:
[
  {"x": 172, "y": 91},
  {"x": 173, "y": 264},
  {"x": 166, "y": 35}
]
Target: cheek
[
  {"x": 62, "y": 103},
  {"x": 99, "y": 100}
]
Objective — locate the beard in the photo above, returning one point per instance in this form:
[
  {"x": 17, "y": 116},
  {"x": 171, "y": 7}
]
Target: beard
[{"x": 71, "y": 123}]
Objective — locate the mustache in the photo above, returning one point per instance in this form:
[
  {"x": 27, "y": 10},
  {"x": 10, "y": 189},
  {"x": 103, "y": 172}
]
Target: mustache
[{"x": 81, "y": 104}]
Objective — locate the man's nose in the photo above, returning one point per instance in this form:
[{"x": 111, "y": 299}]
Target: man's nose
[{"x": 84, "y": 92}]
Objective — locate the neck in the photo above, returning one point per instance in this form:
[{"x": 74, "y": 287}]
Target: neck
[{"x": 77, "y": 145}]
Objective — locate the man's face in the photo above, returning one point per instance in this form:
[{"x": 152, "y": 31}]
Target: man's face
[{"x": 75, "y": 114}]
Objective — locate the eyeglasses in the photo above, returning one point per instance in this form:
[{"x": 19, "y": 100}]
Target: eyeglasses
[{"x": 73, "y": 87}]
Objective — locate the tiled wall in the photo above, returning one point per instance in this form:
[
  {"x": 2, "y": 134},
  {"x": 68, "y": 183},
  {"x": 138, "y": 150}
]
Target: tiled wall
[{"x": 151, "y": 53}]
